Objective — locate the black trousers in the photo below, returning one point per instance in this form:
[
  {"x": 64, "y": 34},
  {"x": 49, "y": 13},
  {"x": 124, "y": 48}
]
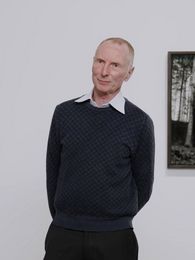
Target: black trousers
[{"x": 67, "y": 244}]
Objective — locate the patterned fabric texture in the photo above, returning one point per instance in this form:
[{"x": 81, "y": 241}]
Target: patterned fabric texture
[{"x": 100, "y": 165}]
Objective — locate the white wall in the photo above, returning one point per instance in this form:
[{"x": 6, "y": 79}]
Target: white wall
[{"x": 46, "y": 50}]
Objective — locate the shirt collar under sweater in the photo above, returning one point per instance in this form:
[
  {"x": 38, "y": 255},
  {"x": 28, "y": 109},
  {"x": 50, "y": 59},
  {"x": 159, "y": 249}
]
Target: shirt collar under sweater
[{"x": 118, "y": 102}]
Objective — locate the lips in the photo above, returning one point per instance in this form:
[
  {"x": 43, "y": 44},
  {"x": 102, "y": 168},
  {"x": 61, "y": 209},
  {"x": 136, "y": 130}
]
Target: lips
[{"x": 103, "y": 82}]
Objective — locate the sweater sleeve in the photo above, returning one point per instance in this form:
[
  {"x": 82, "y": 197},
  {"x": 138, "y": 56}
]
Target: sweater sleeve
[
  {"x": 143, "y": 163},
  {"x": 53, "y": 161}
]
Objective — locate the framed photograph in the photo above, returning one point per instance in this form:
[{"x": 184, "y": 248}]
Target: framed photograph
[{"x": 181, "y": 109}]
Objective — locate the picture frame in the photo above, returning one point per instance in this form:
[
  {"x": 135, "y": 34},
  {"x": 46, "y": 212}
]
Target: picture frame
[{"x": 181, "y": 109}]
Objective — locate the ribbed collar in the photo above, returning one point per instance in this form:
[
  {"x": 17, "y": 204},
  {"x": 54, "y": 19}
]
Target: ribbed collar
[{"x": 118, "y": 102}]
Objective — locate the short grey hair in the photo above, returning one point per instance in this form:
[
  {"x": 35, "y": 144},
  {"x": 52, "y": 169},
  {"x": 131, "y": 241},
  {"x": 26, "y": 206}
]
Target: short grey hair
[{"x": 120, "y": 41}]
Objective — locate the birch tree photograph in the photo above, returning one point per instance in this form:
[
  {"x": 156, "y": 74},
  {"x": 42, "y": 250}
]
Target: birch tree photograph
[{"x": 181, "y": 110}]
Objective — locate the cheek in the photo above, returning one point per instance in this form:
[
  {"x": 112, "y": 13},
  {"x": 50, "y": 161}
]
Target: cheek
[
  {"x": 118, "y": 78},
  {"x": 95, "y": 70}
]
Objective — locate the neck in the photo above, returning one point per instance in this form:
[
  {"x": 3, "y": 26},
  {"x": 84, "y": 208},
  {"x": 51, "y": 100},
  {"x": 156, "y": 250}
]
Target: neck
[{"x": 103, "y": 98}]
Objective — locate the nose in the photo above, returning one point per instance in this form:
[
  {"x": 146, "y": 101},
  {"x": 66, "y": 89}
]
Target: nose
[{"x": 105, "y": 70}]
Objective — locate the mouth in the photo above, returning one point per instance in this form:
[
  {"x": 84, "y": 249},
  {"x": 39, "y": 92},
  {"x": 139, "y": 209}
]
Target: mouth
[{"x": 103, "y": 82}]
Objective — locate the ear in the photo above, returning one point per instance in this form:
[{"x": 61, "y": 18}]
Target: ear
[{"x": 130, "y": 72}]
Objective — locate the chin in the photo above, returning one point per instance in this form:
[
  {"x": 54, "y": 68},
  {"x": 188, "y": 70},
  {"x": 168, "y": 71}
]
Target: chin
[{"x": 102, "y": 89}]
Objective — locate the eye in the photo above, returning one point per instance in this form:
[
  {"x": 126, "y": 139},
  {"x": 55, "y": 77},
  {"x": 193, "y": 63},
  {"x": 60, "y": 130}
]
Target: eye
[
  {"x": 99, "y": 61},
  {"x": 115, "y": 65}
]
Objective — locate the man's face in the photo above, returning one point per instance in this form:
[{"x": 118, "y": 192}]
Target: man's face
[{"x": 111, "y": 66}]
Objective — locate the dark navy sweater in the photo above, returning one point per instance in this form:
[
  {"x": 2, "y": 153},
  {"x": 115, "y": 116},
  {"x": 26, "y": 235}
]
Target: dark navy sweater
[{"x": 100, "y": 165}]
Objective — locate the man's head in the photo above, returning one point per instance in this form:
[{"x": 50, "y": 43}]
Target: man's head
[
  {"x": 121, "y": 41},
  {"x": 112, "y": 65}
]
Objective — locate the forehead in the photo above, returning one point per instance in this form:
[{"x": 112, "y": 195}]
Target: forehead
[{"x": 113, "y": 51}]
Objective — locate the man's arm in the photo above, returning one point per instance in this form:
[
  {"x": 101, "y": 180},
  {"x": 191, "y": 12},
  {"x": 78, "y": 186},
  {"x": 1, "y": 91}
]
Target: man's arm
[
  {"x": 53, "y": 160},
  {"x": 143, "y": 163}
]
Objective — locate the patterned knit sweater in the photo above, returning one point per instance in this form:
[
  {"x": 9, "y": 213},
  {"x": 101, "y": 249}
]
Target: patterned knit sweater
[{"x": 100, "y": 165}]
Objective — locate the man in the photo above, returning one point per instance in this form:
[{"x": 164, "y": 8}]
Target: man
[{"x": 100, "y": 162}]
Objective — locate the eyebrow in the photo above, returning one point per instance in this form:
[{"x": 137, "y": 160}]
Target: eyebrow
[
  {"x": 112, "y": 62},
  {"x": 99, "y": 58}
]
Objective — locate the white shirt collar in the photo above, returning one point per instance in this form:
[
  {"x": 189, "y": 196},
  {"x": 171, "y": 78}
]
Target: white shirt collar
[{"x": 118, "y": 102}]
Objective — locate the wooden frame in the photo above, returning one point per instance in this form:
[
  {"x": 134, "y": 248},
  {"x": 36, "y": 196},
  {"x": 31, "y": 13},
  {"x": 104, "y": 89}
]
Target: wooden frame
[{"x": 181, "y": 109}]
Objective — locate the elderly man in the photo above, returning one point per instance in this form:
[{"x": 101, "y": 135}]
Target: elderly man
[{"x": 100, "y": 165}]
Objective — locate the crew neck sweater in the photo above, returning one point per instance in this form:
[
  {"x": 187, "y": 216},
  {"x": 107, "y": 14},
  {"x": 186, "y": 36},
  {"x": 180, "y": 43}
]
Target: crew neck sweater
[{"x": 100, "y": 165}]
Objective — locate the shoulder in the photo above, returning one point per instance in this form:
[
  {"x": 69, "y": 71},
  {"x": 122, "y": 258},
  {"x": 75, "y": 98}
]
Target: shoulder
[
  {"x": 135, "y": 113},
  {"x": 66, "y": 105},
  {"x": 65, "y": 108}
]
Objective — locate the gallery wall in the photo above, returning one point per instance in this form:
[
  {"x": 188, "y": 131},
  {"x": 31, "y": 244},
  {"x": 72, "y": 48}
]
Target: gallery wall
[{"x": 46, "y": 51}]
